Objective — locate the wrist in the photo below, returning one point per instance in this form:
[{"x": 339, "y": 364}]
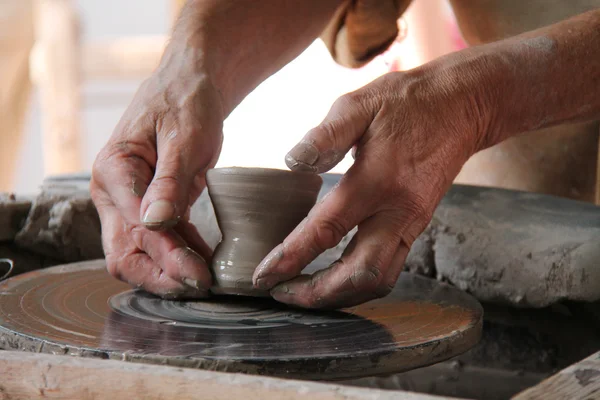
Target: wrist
[
  {"x": 187, "y": 61},
  {"x": 526, "y": 83},
  {"x": 240, "y": 43},
  {"x": 466, "y": 90}
]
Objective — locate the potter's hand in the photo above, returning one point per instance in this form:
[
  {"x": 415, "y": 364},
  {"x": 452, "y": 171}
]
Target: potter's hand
[
  {"x": 149, "y": 174},
  {"x": 411, "y": 135}
]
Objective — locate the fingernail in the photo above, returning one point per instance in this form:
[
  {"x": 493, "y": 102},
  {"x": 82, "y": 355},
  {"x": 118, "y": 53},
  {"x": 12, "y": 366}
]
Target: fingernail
[
  {"x": 193, "y": 283},
  {"x": 171, "y": 296},
  {"x": 160, "y": 215},
  {"x": 281, "y": 289},
  {"x": 267, "y": 282},
  {"x": 263, "y": 269},
  {"x": 193, "y": 269},
  {"x": 302, "y": 157}
]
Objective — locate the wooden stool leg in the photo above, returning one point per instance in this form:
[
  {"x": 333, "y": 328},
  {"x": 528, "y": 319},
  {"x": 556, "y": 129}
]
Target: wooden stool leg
[
  {"x": 16, "y": 41},
  {"x": 56, "y": 64}
]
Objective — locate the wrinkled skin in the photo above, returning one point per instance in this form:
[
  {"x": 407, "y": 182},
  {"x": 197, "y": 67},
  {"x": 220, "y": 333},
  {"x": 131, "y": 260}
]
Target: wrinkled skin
[
  {"x": 158, "y": 155},
  {"x": 409, "y": 142},
  {"x": 410, "y": 132}
]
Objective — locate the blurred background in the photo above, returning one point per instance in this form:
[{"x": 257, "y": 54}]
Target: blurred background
[{"x": 69, "y": 68}]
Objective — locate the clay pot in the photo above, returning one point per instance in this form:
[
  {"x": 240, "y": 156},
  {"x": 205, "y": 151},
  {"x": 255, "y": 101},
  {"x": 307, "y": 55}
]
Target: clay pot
[{"x": 256, "y": 208}]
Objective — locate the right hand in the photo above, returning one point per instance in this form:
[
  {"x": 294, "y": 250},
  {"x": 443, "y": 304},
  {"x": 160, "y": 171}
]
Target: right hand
[{"x": 151, "y": 172}]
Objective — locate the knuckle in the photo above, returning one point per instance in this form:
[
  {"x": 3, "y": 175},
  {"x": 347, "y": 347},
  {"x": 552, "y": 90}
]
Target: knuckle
[
  {"x": 127, "y": 149},
  {"x": 367, "y": 279},
  {"x": 413, "y": 205},
  {"x": 328, "y": 233},
  {"x": 120, "y": 148},
  {"x": 117, "y": 155},
  {"x": 327, "y": 134},
  {"x": 353, "y": 101},
  {"x": 364, "y": 101},
  {"x": 349, "y": 99},
  {"x": 419, "y": 213},
  {"x": 167, "y": 184},
  {"x": 343, "y": 102},
  {"x": 419, "y": 207},
  {"x": 167, "y": 179}
]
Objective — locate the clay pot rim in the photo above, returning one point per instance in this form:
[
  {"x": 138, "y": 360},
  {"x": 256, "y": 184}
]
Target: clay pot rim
[{"x": 261, "y": 171}]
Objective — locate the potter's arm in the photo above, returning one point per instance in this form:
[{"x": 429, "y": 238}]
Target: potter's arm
[
  {"x": 243, "y": 42},
  {"x": 542, "y": 78}
]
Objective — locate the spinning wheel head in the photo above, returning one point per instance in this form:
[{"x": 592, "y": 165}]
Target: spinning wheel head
[{"x": 79, "y": 309}]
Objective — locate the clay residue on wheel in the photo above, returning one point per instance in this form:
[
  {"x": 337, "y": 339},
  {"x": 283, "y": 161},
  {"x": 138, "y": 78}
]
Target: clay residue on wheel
[{"x": 77, "y": 309}]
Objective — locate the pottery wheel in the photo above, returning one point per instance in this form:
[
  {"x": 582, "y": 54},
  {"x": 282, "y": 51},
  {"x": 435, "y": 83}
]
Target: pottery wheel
[{"x": 79, "y": 309}]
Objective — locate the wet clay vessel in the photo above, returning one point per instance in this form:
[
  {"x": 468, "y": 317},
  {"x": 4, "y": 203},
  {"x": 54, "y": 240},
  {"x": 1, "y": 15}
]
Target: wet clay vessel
[{"x": 256, "y": 208}]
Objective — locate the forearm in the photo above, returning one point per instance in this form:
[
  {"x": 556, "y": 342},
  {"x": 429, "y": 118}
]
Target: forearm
[
  {"x": 240, "y": 43},
  {"x": 539, "y": 79}
]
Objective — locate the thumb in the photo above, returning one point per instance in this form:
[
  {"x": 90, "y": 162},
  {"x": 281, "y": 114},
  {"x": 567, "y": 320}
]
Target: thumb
[
  {"x": 323, "y": 147},
  {"x": 184, "y": 154}
]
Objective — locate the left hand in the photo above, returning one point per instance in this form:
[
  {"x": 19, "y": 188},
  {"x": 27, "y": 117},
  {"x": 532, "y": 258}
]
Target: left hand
[{"x": 411, "y": 134}]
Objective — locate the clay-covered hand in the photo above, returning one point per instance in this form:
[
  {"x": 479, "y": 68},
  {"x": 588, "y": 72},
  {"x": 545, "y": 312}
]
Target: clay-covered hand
[
  {"x": 149, "y": 174},
  {"x": 410, "y": 133}
]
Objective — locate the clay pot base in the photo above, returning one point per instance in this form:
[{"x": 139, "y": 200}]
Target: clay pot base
[
  {"x": 79, "y": 309},
  {"x": 238, "y": 291}
]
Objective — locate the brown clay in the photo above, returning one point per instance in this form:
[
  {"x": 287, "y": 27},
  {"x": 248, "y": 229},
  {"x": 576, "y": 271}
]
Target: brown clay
[{"x": 256, "y": 208}]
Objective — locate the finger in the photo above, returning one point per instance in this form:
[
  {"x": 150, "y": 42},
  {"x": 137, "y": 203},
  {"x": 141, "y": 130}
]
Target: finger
[
  {"x": 329, "y": 221},
  {"x": 189, "y": 233},
  {"x": 139, "y": 270},
  {"x": 186, "y": 149},
  {"x": 178, "y": 261},
  {"x": 126, "y": 262},
  {"x": 399, "y": 259},
  {"x": 364, "y": 271},
  {"x": 120, "y": 177},
  {"x": 323, "y": 147}
]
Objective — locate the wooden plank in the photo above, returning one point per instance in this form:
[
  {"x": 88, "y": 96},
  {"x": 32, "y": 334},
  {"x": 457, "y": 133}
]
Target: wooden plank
[
  {"x": 56, "y": 65},
  {"x": 578, "y": 381},
  {"x": 16, "y": 40},
  {"x": 43, "y": 376}
]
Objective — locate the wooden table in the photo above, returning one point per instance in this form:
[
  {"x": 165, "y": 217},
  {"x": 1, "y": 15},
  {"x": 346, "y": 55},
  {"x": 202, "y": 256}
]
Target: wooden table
[{"x": 43, "y": 376}]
